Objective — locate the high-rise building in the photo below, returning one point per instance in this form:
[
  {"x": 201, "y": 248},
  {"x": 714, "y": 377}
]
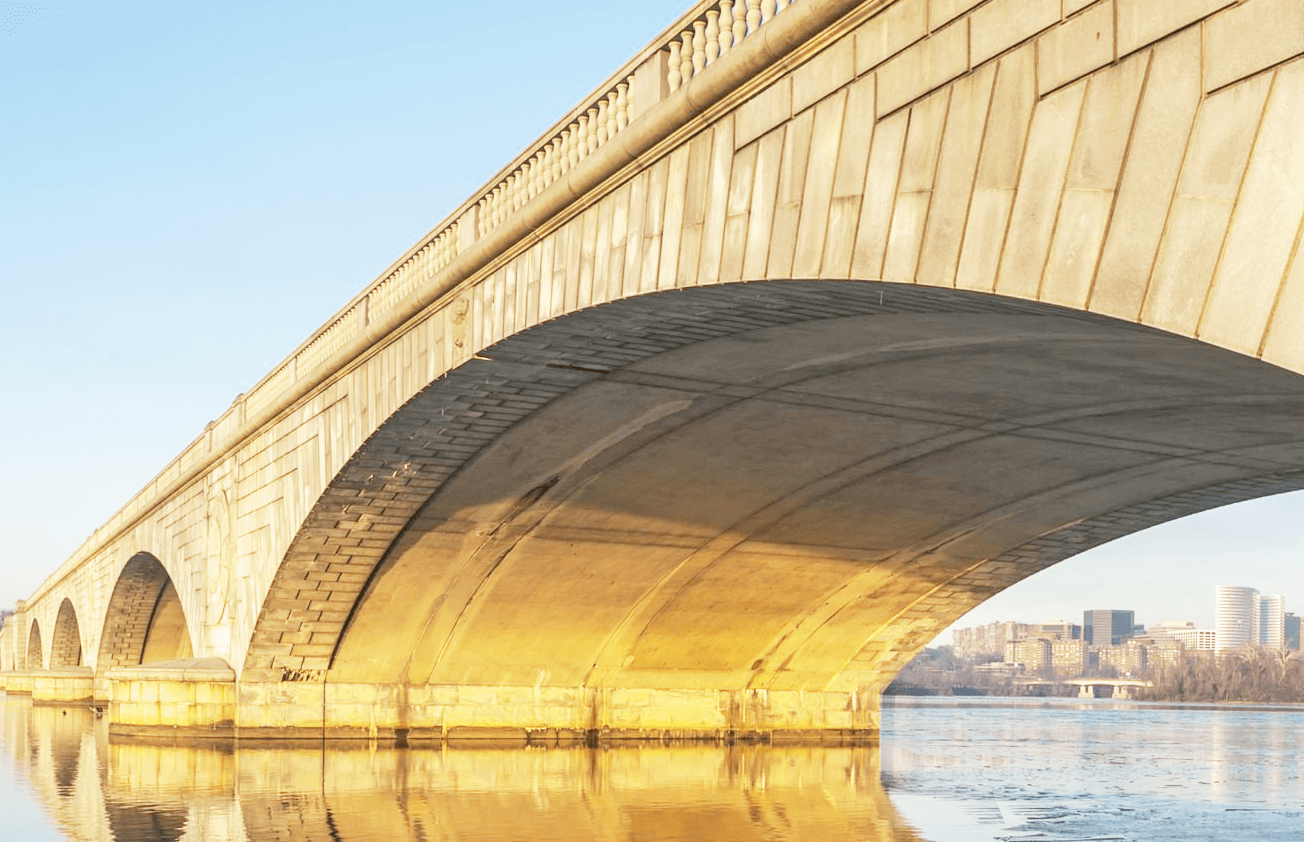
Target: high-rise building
[
  {"x": 1236, "y": 617},
  {"x": 1272, "y": 622},
  {"x": 987, "y": 641},
  {"x": 1128, "y": 659},
  {"x": 1032, "y": 653},
  {"x": 1068, "y": 657},
  {"x": 1107, "y": 627},
  {"x": 1292, "y": 632},
  {"x": 1058, "y": 630},
  {"x": 1167, "y": 628},
  {"x": 1200, "y": 640}
]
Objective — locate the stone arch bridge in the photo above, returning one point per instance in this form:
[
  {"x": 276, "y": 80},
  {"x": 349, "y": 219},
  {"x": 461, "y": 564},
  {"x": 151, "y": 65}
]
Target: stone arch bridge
[{"x": 817, "y": 325}]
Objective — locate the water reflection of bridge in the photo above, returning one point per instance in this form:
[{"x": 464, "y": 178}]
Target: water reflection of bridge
[{"x": 99, "y": 789}]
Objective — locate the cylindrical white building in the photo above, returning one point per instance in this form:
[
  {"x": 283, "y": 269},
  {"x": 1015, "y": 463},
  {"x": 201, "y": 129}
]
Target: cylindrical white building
[{"x": 1236, "y": 616}]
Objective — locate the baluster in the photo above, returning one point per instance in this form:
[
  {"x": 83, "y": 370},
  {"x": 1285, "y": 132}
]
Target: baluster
[
  {"x": 532, "y": 177},
  {"x": 767, "y": 11},
  {"x": 622, "y": 106},
  {"x": 726, "y": 26},
  {"x": 753, "y": 16},
  {"x": 686, "y": 55},
  {"x": 573, "y": 147},
  {"x": 739, "y": 21},
  {"x": 591, "y": 136},
  {"x": 699, "y": 46},
  {"x": 673, "y": 77},
  {"x": 559, "y": 157},
  {"x": 497, "y": 205},
  {"x": 711, "y": 30},
  {"x": 481, "y": 214},
  {"x": 581, "y": 140},
  {"x": 613, "y": 105},
  {"x": 603, "y": 117}
]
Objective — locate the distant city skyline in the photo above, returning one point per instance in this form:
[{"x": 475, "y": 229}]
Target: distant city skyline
[
  {"x": 1168, "y": 572},
  {"x": 1242, "y": 615}
]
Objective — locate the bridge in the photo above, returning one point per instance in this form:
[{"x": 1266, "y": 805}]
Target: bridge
[
  {"x": 815, "y": 326},
  {"x": 1119, "y": 688}
]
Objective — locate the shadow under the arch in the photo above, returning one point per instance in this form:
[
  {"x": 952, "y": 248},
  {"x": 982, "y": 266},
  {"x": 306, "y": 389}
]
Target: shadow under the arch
[{"x": 762, "y": 488}]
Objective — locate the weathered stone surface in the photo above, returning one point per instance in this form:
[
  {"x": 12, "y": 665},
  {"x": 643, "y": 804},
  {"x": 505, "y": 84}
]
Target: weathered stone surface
[{"x": 510, "y": 490}]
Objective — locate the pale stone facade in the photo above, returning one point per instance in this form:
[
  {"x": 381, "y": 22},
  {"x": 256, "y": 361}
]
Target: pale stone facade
[{"x": 945, "y": 174}]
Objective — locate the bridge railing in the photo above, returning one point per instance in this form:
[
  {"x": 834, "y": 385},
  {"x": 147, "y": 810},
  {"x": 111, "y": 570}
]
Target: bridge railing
[
  {"x": 709, "y": 31},
  {"x": 705, "y": 34}
]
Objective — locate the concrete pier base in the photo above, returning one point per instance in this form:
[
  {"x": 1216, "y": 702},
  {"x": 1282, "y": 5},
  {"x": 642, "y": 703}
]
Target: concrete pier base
[
  {"x": 63, "y": 685},
  {"x": 193, "y": 697},
  {"x": 17, "y": 682},
  {"x": 538, "y": 715}
]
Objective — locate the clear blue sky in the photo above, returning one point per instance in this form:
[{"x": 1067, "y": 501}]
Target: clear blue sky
[{"x": 187, "y": 191}]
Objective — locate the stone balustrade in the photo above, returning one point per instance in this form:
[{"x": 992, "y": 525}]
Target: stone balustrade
[
  {"x": 702, "y": 36},
  {"x": 723, "y": 26}
]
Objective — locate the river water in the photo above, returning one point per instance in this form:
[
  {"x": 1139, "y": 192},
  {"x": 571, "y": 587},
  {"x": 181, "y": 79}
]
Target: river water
[{"x": 947, "y": 770}]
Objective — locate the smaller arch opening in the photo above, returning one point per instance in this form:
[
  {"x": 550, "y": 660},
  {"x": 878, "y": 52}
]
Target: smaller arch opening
[
  {"x": 146, "y": 622},
  {"x": 35, "y": 654},
  {"x": 65, "y": 646}
]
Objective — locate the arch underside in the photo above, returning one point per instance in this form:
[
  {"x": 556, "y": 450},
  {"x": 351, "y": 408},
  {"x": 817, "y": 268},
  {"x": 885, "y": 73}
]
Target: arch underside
[
  {"x": 35, "y": 654},
  {"x": 65, "y": 647},
  {"x": 766, "y": 486},
  {"x": 145, "y": 622}
]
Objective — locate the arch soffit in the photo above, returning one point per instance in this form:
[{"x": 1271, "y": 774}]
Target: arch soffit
[
  {"x": 357, "y": 519},
  {"x": 141, "y": 582}
]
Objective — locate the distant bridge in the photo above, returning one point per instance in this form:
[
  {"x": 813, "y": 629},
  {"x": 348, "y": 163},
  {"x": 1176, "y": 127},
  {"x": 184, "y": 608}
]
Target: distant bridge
[
  {"x": 1089, "y": 688},
  {"x": 817, "y": 325},
  {"x": 1120, "y": 688}
]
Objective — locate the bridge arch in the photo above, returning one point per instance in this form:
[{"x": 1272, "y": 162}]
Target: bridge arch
[
  {"x": 66, "y": 644},
  {"x": 995, "y": 187},
  {"x": 35, "y": 653},
  {"x": 981, "y": 189},
  {"x": 145, "y": 621},
  {"x": 767, "y": 486}
]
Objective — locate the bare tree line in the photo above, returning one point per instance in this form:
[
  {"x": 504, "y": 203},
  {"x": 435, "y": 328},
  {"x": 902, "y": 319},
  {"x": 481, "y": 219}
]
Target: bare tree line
[{"x": 1248, "y": 674}]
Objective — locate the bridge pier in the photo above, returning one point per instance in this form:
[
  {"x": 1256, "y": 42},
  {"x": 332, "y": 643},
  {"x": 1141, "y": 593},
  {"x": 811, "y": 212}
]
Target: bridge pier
[
  {"x": 195, "y": 698},
  {"x": 64, "y": 684},
  {"x": 17, "y": 682},
  {"x": 437, "y": 713},
  {"x": 1087, "y": 691},
  {"x": 202, "y": 698}
]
